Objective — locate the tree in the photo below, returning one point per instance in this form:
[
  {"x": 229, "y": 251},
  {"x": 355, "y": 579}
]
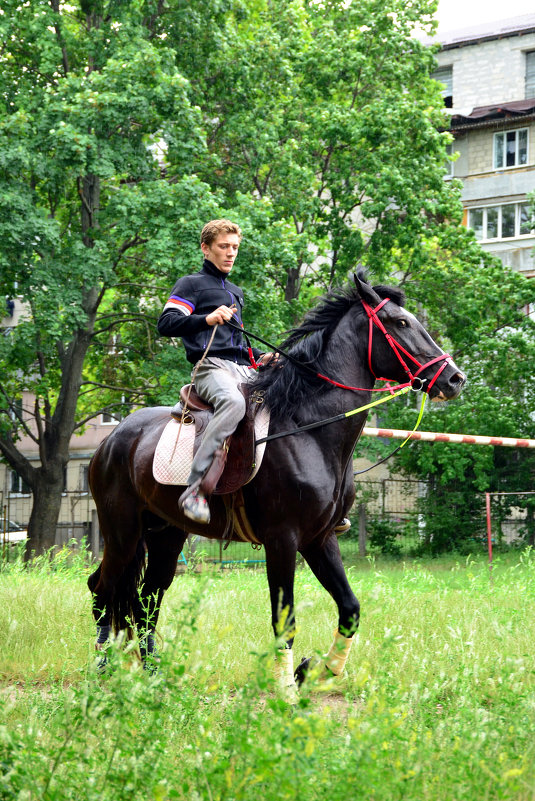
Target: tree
[
  {"x": 100, "y": 209},
  {"x": 328, "y": 112},
  {"x": 83, "y": 210},
  {"x": 475, "y": 308},
  {"x": 124, "y": 126}
]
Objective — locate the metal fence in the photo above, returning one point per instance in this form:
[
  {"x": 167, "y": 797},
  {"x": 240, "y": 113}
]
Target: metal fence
[
  {"x": 387, "y": 516},
  {"x": 77, "y": 518}
]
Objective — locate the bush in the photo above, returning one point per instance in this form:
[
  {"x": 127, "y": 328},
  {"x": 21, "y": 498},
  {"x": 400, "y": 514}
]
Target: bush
[{"x": 385, "y": 535}]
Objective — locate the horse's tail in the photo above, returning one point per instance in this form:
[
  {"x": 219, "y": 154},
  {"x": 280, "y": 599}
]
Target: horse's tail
[{"x": 124, "y": 606}]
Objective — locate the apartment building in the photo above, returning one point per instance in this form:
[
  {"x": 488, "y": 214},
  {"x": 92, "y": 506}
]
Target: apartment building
[{"x": 488, "y": 72}]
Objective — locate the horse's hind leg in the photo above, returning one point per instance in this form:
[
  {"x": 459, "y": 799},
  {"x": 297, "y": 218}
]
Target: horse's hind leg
[
  {"x": 163, "y": 549},
  {"x": 102, "y": 615},
  {"x": 113, "y": 584},
  {"x": 326, "y": 563}
]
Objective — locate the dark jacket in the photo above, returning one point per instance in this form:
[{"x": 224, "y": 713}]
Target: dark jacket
[{"x": 184, "y": 315}]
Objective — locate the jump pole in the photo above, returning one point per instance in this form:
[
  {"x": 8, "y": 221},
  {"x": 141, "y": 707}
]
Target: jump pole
[
  {"x": 464, "y": 439},
  {"x": 434, "y": 436}
]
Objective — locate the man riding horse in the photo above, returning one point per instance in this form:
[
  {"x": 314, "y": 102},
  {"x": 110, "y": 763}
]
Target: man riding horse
[{"x": 198, "y": 303}]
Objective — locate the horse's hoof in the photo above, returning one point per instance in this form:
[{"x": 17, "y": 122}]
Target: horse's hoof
[
  {"x": 102, "y": 665},
  {"x": 301, "y": 670}
]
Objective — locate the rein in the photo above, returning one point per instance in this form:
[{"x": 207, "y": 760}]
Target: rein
[
  {"x": 415, "y": 382},
  {"x": 336, "y": 418}
]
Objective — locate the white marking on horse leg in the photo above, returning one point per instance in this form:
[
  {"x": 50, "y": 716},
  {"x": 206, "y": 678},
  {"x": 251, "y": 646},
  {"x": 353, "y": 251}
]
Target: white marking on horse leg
[{"x": 284, "y": 675}]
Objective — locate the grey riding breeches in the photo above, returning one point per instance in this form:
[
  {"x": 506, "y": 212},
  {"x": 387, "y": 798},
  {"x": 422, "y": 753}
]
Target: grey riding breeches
[{"x": 217, "y": 382}]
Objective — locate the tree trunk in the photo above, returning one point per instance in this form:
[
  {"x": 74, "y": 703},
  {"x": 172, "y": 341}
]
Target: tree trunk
[
  {"x": 291, "y": 290},
  {"x": 47, "y": 485},
  {"x": 45, "y": 512}
]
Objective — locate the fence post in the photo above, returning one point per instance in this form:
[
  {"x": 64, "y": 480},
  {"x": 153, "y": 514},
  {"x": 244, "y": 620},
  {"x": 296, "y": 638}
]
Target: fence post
[
  {"x": 362, "y": 530},
  {"x": 95, "y": 535},
  {"x": 489, "y": 529}
]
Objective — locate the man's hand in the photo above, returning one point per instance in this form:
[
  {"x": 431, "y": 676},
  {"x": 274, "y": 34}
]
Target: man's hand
[
  {"x": 268, "y": 358},
  {"x": 220, "y": 315}
]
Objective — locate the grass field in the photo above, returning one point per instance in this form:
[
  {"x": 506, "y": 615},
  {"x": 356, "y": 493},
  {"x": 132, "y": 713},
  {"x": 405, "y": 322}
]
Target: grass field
[{"x": 438, "y": 701}]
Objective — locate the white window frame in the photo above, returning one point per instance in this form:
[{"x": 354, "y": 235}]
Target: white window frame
[
  {"x": 503, "y": 136},
  {"x": 108, "y": 422},
  {"x": 84, "y": 479},
  {"x": 518, "y": 218},
  {"x": 16, "y": 410},
  {"x": 444, "y": 75}
]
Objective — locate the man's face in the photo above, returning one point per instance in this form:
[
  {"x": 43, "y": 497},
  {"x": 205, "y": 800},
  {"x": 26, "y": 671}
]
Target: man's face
[{"x": 223, "y": 251}]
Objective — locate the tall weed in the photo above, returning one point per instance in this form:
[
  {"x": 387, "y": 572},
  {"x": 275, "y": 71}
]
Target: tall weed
[{"x": 438, "y": 702}]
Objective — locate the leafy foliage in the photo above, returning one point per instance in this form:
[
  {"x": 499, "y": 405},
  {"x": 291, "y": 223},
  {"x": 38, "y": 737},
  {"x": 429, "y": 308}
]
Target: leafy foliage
[{"x": 317, "y": 126}]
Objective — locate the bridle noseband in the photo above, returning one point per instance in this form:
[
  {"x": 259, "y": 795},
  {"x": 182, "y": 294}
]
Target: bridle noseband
[{"x": 415, "y": 381}]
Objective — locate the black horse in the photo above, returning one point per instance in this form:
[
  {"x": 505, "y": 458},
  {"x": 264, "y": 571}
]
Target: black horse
[{"x": 304, "y": 487}]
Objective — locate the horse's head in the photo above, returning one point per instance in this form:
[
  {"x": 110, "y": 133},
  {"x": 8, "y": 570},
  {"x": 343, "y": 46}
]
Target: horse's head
[{"x": 400, "y": 349}]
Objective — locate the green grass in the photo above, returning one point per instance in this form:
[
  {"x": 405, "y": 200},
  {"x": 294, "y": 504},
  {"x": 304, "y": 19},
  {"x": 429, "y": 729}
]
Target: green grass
[{"x": 438, "y": 702}]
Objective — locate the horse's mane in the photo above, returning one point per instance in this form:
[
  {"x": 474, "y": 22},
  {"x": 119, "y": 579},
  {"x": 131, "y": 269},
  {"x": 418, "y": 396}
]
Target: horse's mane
[{"x": 288, "y": 388}]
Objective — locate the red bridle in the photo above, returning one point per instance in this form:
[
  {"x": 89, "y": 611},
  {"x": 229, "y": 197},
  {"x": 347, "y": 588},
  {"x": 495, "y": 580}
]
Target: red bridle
[
  {"x": 398, "y": 349},
  {"x": 394, "y": 344}
]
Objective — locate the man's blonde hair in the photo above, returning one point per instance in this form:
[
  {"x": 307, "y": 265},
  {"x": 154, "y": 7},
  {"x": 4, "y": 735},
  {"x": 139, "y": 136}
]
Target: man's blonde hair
[{"x": 212, "y": 229}]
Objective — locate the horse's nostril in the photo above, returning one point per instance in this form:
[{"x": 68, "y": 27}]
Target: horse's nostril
[{"x": 458, "y": 378}]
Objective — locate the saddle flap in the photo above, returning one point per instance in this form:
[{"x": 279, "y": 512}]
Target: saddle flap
[
  {"x": 193, "y": 401},
  {"x": 234, "y": 462},
  {"x": 240, "y": 451}
]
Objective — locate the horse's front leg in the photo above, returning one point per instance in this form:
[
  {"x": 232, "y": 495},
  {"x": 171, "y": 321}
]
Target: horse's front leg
[
  {"x": 326, "y": 563},
  {"x": 281, "y": 553}
]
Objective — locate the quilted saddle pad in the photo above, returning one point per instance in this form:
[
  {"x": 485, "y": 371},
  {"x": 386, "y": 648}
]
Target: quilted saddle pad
[{"x": 174, "y": 452}]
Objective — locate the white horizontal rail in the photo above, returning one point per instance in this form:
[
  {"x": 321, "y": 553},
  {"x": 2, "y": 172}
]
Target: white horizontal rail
[{"x": 461, "y": 439}]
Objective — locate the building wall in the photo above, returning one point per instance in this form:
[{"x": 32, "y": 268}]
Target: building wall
[
  {"x": 487, "y": 72},
  {"x": 478, "y": 146}
]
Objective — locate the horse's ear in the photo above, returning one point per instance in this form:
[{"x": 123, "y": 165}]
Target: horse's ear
[{"x": 366, "y": 291}]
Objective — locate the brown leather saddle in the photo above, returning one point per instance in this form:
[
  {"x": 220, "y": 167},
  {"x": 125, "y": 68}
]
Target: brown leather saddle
[{"x": 234, "y": 462}]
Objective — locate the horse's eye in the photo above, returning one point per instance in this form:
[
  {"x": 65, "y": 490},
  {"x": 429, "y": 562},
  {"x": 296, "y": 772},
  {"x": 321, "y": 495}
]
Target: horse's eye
[{"x": 402, "y": 324}]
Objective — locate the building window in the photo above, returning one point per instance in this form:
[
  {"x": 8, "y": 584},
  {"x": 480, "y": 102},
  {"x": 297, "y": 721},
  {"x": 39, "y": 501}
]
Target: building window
[
  {"x": 444, "y": 75},
  {"x": 110, "y": 419},
  {"x": 530, "y": 74},
  {"x": 502, "y": 222},
  {"x": 511, "y": 148},
  {"x": 84, "y": 478},
  {"x": 18, "y": 485},
  {"x": 15, "y": 412}
]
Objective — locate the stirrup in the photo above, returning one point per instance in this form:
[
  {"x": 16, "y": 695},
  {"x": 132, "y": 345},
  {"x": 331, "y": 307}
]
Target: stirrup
[{"x": 343, "y": 525}]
